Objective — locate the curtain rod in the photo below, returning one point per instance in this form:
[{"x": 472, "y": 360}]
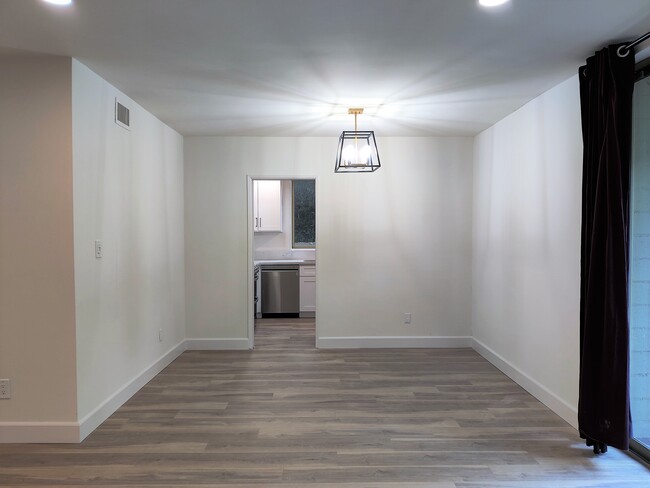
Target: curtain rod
[{"x": 625, "y": 49}]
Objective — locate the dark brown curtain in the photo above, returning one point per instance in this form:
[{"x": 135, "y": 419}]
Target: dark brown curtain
[{"x": 606, "y": 85}]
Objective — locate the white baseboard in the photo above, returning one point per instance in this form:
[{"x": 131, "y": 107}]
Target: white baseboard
[
  {"x": 95, "y": 418},
  {"x": 547, "y": 397},
  {"x": 39, "y": 432},
  {"x": 393, "y": 342},
  {"x": 216, "y": 344},
  {"x": 73, "y": 432}
]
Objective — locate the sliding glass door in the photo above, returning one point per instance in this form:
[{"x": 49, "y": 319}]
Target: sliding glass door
[{"x": 640, "y": 268}]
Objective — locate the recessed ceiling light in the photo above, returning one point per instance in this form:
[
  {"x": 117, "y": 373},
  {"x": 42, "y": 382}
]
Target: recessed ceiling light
[
  {"x": 492, "y": 3},
  {"x": 59, "y": 2}
]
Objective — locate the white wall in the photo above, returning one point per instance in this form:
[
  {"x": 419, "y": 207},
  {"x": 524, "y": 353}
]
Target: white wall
[
  {"x": 526, "y": 267},
  {"x": 395, "y": 241},
  {"x": 128, "y": 193},
  {"x": 398, "y": 240},
  {"x": 37, "y": 315}
]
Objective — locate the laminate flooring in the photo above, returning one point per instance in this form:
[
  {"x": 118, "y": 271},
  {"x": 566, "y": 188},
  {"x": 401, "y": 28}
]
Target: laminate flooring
[{"x": 287, "y": 414}]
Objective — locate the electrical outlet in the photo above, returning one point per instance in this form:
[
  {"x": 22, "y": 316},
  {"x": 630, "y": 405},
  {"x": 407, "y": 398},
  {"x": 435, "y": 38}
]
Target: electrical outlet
[
  {"x": 407, "y": 318},
  {"x": 160, "y": 335},
  {"x": 5, "y": 389}
]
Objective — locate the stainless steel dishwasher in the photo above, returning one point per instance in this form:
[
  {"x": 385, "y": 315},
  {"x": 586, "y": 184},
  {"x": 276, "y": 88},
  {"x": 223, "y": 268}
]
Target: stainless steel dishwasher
[{"x": 280, "y": 290}]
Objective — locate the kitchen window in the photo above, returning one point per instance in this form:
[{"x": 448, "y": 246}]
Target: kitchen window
[{"x": 304, "y": 213}]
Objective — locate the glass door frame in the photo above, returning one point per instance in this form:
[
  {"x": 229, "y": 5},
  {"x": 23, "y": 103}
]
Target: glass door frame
[{"x": 642, "y": 71}]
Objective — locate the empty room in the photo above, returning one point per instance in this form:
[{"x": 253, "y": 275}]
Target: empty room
[{"x": 325, "y": 243}]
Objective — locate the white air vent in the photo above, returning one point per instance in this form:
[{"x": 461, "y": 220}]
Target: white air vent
[{"x": 122, "y": 115}]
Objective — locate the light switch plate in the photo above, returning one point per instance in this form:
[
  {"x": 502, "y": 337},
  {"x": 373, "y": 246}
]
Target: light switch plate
[{"x": 99, "y": 249}]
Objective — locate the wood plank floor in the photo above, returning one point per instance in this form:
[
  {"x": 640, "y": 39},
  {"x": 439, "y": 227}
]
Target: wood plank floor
[{"x": 287, "y": 414}]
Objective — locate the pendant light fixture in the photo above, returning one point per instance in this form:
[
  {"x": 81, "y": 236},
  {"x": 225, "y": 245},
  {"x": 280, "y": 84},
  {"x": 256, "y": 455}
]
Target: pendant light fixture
[{"x": 357, "y": 152}]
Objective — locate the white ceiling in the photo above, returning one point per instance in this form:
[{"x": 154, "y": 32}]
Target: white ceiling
[{"x": 290, "y": 67}]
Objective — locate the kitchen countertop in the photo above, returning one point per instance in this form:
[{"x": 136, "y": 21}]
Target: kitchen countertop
[{"x": 307, "y": 262}]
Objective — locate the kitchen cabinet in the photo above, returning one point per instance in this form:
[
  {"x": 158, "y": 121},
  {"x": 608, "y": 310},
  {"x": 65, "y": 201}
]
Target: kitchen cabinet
[
  {"x": 267, "y": 206},
  {"x": 307, "y": 291}
]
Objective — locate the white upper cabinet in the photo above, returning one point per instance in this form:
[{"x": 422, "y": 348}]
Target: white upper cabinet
[{"x": 267, "y": 205}]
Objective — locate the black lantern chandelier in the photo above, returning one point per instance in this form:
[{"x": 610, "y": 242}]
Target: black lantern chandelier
[{"x": 357, "y": 151}]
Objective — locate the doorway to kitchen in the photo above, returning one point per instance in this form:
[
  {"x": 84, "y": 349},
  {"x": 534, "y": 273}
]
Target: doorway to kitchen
[{"x": 282, "y": 257}]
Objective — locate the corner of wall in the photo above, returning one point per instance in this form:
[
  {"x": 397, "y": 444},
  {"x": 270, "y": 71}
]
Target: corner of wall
[{"x": 37, "y": 299}]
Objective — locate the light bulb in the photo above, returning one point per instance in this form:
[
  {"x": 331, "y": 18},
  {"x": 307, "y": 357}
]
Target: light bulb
[
  {"x": 59, "y": 2},
  {"x": 348, "y": 155},
  {"x": 365, "y": 155}
]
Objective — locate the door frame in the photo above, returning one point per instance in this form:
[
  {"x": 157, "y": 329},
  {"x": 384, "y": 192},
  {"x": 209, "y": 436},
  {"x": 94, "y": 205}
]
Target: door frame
[
  {"x": 250, "y": 237},
  {"x": 641, "y": 72}
]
